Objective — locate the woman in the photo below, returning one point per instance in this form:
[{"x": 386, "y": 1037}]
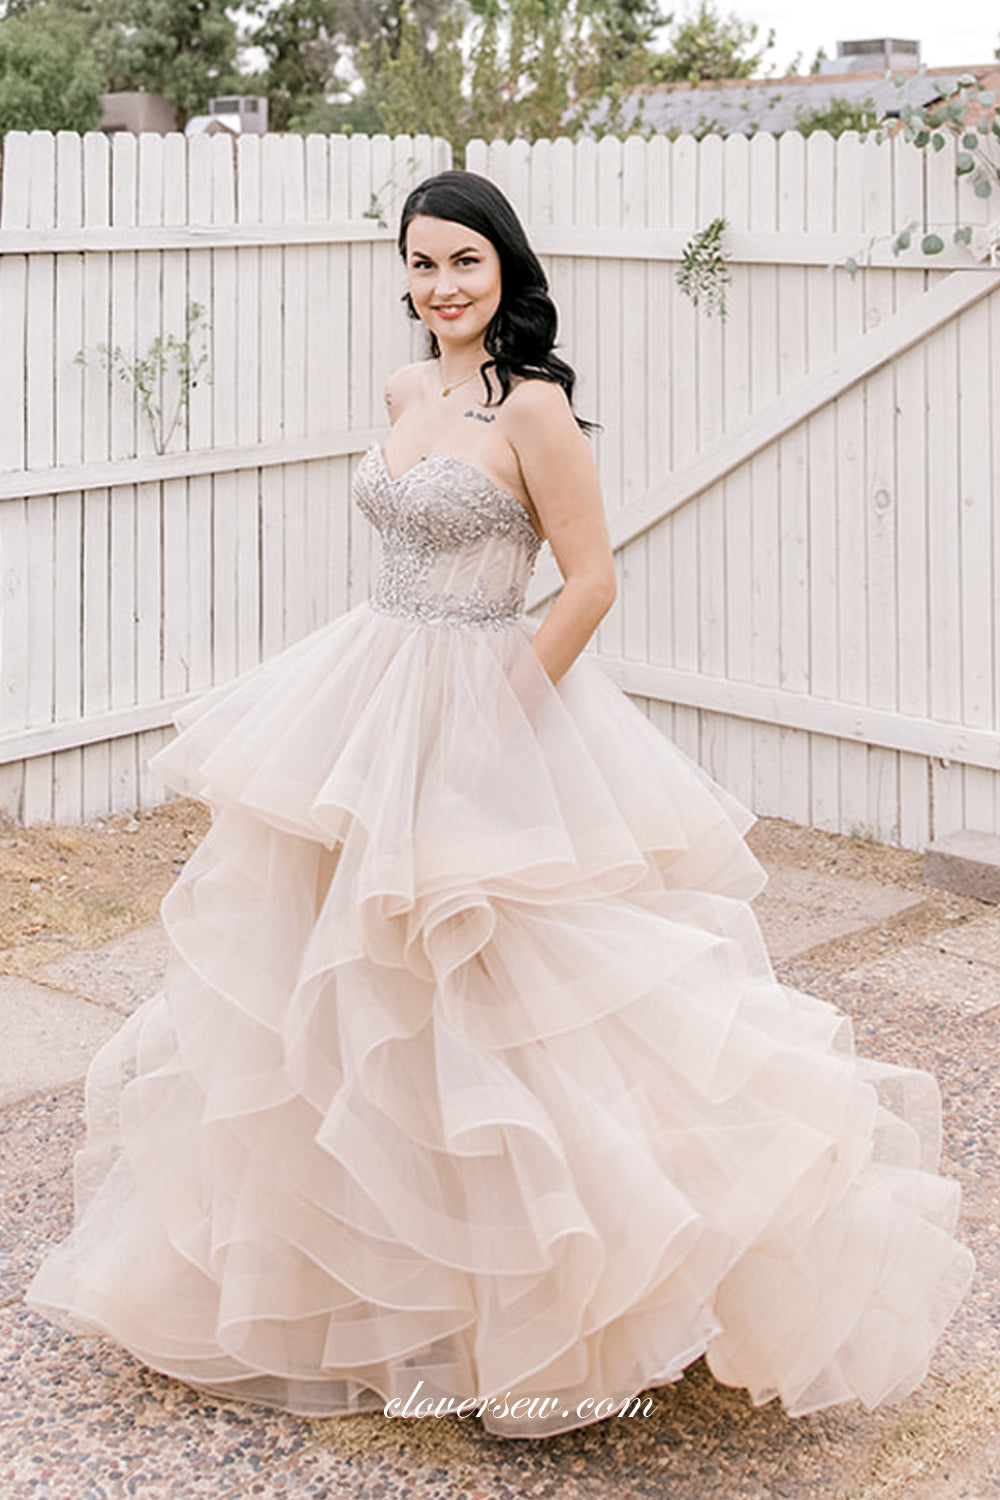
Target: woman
[{"x": 470, "y": 1081}]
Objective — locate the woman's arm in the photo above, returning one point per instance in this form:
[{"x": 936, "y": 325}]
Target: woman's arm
[{"x": 561, "y": 477}]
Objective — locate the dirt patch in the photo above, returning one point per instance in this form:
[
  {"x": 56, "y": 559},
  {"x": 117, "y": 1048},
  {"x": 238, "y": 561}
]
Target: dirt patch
[
  {"x": 937, "y": 1446},
  {"x": 776, "y": 842},
  {"x": 79, "y": 886}
]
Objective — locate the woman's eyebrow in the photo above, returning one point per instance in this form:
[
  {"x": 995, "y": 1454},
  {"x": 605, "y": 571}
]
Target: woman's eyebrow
[{"x": 455, "y": 254}]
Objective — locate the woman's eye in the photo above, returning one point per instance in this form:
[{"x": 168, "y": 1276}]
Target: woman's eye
[{"x": 427, "y": 265}]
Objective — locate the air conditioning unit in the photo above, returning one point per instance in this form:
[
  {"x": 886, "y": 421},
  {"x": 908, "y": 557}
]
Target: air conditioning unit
[
  {"x": 873, "y": 53},
  {"x": 246, "y": 113}
]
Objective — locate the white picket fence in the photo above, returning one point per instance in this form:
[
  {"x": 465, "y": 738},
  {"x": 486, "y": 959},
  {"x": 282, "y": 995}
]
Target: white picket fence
[
  {"x": 803, "y": 498},
  {"x": 134, "y": 580}
]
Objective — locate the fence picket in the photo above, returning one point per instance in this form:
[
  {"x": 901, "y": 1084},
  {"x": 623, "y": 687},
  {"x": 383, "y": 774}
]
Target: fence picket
[
  {"x": 944, "y": 570},
  {"x": 977, "y": 605},
  {"x": 736, "y": 770},
  {"x": 765, "y": 375},
  {"x": 247, "y": 564}
]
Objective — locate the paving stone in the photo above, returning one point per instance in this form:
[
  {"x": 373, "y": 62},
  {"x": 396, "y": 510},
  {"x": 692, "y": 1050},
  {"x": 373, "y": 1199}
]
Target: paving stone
[
  {"x": 121, "y": 975},
  {"x": 963, "y": 985},
  {"x": 966, "y": 862},
  {"x": 799, "y": 909},
  {"x": 49, "y": 1037},
  {"x": 978, "y": 939}
]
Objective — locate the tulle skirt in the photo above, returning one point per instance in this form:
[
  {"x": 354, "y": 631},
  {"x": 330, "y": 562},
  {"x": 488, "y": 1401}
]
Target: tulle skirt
[{"x": 470, "y": 1078}]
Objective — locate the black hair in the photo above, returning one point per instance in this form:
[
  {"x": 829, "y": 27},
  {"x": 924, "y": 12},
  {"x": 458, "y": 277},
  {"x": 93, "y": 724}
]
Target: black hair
[{"x": 522, "y": 332}]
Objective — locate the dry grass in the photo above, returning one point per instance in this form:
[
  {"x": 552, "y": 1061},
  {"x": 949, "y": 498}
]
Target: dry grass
[
  {"x": 917, "y": 1446},
  {"x": 63, "y": 888}
]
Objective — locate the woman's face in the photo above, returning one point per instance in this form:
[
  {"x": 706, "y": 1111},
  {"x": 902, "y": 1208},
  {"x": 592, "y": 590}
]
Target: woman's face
[{"x": 453, "y": 275}]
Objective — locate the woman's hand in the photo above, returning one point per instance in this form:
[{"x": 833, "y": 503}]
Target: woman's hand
[{"x": 529, "y": 680}]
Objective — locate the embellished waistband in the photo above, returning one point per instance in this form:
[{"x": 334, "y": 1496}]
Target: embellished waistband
[{"x": 449, "y": 610}]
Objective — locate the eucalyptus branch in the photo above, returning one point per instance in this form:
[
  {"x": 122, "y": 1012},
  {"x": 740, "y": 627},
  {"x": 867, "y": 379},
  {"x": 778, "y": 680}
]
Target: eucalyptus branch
[
  {"x": 967, "y": 114},
  {"x": 703, "y": 274}
]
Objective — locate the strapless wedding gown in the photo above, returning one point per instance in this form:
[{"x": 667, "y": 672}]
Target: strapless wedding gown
[{"x": 470, "y": 1075}]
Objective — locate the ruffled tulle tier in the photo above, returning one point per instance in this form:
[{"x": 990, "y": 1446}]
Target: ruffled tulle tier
[{"x": 470, "y": 1073}]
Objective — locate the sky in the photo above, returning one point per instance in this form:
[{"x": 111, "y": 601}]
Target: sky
[{"x": 958, "y": 35}]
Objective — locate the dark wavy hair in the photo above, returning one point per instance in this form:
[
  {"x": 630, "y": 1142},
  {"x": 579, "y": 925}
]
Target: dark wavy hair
[{"x": 522, "y": 332}]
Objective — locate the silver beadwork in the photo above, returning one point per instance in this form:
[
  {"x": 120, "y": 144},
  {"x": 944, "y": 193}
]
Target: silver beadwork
[{"x": 456, "y": 549}]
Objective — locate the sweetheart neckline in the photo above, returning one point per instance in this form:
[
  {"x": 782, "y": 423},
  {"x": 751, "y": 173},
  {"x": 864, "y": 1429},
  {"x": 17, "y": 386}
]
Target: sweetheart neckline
[{"x": 466, "y": 464}]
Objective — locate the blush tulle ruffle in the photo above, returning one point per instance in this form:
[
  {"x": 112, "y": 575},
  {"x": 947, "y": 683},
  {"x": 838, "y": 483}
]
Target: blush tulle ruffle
[{"x": 470, "y": 1069}]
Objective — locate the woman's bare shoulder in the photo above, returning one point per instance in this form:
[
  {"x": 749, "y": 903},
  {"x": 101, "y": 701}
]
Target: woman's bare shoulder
[
  {"x": 532, "y": 393},
  {"x": 539, "y": 409},
  {"x": 404, "y": 383}
]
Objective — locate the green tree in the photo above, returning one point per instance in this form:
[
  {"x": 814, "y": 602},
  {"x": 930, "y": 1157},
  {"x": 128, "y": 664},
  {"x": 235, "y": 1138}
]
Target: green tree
[
  {"x": 297, "y": 39},
  {"x": 183, "y": 49},
  {"x": 379, "y": 24},
  {"x": 622, "y": 36},
  {"x": 309, "y": 46},
  {"x": 49, "y": 78},
  {"x": 456, "y": 68},
  {"x": 419, "y": 88},
  {"x": 346, "y": 114},
  {"x": 528, "y": 68},
  {"x": 89, "y": 19},
  {"x": 707, "y": 46}
]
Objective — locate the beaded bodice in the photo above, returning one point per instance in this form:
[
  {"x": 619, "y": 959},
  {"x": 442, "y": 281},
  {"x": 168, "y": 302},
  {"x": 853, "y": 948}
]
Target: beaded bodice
[{"x": 456, "y": 548}]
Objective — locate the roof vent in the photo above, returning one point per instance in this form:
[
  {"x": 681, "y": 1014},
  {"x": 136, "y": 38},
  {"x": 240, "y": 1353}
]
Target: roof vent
[{"x": 887, "y": 54}]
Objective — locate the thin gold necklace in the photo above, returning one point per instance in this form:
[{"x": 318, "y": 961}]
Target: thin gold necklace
[{"x": 446, "y": 390}]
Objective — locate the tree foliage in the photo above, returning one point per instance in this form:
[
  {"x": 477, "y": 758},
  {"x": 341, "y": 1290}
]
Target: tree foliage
[
  {"x": 49, "y": 76},
  {"x": 419, "y": 88},
  {"x": 311, "y": 44},
  {"x": 542, "y": 68},
  {"x": 183, "y": 49},
  {"x": 379, "y": 24},
  {"x": 501, "y": 69},
  {"x": 837, "y": 115},
  {"x": 707, "y": 46},
  {"x": 299, "y": 44}
]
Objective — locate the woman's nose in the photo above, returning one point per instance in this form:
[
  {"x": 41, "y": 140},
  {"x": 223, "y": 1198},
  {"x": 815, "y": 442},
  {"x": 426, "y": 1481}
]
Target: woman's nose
[{"x": 445, "y": 282}]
